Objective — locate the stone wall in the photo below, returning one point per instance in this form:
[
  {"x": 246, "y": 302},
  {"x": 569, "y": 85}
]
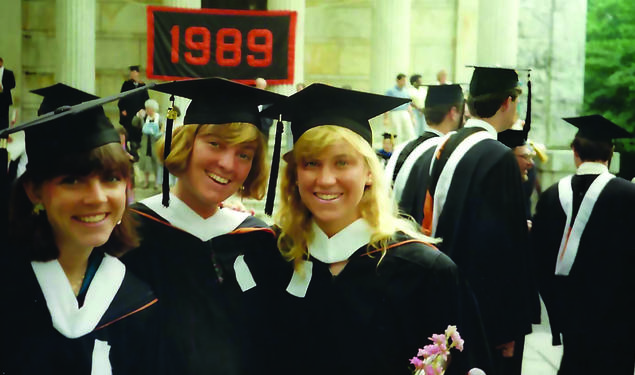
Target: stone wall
[
  {"x": 552, "y": 36},
  {"x": 121, "y": 41},
  {"x": 337, "y": 50},
  {"x": 338, "y": 41}
]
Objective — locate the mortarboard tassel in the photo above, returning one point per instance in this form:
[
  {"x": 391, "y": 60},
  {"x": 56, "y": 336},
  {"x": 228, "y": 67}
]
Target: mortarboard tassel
[
  {"x": 4, "y": 188},
  {"x": 275, "y": 164},
  {"x": 169, "y": 123},
  {"x": 527, "y": 125}
]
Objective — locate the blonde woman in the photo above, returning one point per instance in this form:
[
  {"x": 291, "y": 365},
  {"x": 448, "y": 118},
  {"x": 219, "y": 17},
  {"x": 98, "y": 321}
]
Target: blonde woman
[
  {"x": 367, "y": 289},
  {"x": 195, "y": 253}
]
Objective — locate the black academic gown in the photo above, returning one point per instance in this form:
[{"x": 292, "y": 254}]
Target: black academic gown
[
  {"x": 209, "y": 324},
  {"x": 373, "y": 316},
  {"x": 413, "y": 197},
  {"x": 483, "y": 229},
  {"x": 592, "y": 307},
  {"x": 6, "y": 99},
  {"x": 401, "y": 157},
  {"x": 131, "y": 104},
  {"x": 30, "y": 345}
]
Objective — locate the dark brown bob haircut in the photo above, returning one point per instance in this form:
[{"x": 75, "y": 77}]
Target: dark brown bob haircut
[{"x": 33, "y": 232}]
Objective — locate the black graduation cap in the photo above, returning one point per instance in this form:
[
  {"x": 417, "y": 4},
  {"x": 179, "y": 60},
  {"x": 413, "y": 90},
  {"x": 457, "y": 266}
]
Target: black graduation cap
[
  {"x": 597, "y": 128},
  {"x": 214, "y": 101},
  {"x": 443, "y": 95},
  {"x": 512, "y": 138},
  {"x": 220, "y": 101},
  {"x": 389, "y": 136},
  {"x": 69, "y": 129},
  {"x": 58, "y": 95},
  {"x": 134, "y": 68},
  {"x": 493, "y": 79},
  {"x": 319, "y": 104}
]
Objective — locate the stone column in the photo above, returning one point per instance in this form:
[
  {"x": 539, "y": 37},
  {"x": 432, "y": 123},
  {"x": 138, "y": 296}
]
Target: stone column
[
  {"x": 11, "y": 52},
  {"x": 299, "y": 7},
  {"x": 180, "y": 102},
  {"x": 466, "y": 39},
  {"x": 497, "y": 42},
  {"x": 390, "y": 43},
  {"x": 75, "y": 33},
  {"x": 552, "y": 39}
]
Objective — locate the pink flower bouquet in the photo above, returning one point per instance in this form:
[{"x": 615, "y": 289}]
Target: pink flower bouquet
[{"x": 433, "y": 358}]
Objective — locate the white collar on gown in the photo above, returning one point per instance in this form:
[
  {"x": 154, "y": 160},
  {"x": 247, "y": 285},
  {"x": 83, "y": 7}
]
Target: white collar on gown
[
  {"x": 342, "y": 245},
  {"x": 183, "y": 217},
  {"x": 68, "y": 318},
  {"x": 477, "y": 123},
  {"x": 590, "y": 167}
]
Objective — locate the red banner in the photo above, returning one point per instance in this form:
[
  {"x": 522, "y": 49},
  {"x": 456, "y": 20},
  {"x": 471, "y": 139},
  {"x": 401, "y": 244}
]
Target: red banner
[{"x": 234, "y": 44}]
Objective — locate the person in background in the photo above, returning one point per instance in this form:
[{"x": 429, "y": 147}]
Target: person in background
[
  {"x": 361, "y": 274},
  {"x": 130, "y": 105},
  {"x": 442, "y": 78},
  {"x": 417, "y": 92},
  {"x": 582, "y": 239},
  {"x": 208, "y": 264},
  {"x": 387, "y": 147},
  {"x": 408, "y": 168},
  {"x": 516, "y": 140},
  {"x": 7, "y": 83},
  {"x": 475, "y": 204},
  {"x": 149, "y": 121},
  {"x": 74, "y": 307},
  {"x": 399, "y": 121}
]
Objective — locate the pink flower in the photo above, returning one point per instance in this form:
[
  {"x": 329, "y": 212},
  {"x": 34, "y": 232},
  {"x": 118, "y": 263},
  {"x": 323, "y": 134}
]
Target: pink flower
[
  {"x": 438, "y": 339},
  {"x": 457, "y": 341},
  {"x": 432, "y": 370},
  {"x": 435, "y": 355},
  {"x": 429, "y": 351},
  {"x": 416, "y": 362}
]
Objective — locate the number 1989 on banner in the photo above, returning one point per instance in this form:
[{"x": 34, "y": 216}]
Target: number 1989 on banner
[
  {"x": 238, "y": 45},
  {"x": 228, "y": 51}
]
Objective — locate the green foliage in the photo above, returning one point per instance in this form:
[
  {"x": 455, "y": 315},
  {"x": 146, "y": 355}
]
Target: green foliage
[{"x": 610, "y": 63}]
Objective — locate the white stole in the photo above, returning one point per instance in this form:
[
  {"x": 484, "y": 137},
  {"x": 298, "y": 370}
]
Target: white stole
[
  {"x": 404, "y": 172},
  {"x": 391, "y": 164},
  {"x": 445, "y": 179},
  {"x": 73, "y": 321},
  {"x": 572, "y": 233},
  {"x": 338, "y": 248}
]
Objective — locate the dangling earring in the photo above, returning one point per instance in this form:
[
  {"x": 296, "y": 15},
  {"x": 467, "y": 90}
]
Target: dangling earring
[
  {"x": 38, "y": 208},
  {"x": 119, "y": 222}
]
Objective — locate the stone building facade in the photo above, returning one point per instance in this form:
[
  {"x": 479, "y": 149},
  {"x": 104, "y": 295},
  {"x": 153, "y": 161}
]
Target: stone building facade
[{"x": 362, "y": 43}]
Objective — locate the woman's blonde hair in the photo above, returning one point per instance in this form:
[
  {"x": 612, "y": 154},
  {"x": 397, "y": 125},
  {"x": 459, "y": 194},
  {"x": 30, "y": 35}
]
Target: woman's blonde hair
[
  {"x": 233, "y": 133},
  {"x": 377, "y": 205}
]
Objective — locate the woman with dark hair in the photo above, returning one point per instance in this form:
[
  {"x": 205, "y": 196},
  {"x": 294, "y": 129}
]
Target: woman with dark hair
[{"x": 69, "y": 305}]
